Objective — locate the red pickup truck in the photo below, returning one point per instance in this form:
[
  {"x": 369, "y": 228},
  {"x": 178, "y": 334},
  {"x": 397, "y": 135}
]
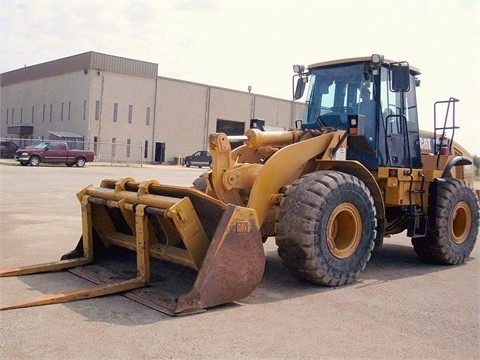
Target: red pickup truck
[{"x": 53, "y": 153}]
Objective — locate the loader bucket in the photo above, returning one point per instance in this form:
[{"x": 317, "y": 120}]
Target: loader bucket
[{"x": 172, "y": 248}]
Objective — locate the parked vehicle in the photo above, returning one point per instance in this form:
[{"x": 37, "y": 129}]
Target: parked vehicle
[
  {"x": 199, "y": 158},
  {"x": 8, "y": 149},
  {"x": 53, "y": 153}
]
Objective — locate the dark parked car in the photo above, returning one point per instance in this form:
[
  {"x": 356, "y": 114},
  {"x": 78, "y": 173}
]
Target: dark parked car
[
  {"x": 199, "y": 158},
  {"x": 8, "y": 149}
]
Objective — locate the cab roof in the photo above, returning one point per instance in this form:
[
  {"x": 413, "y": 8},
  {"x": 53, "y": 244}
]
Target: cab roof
[{"x": 413, "y": 69}]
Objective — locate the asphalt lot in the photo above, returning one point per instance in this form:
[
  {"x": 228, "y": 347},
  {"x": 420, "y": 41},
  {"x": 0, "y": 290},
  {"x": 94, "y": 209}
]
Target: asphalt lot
[{"x": 399, "y": 308}]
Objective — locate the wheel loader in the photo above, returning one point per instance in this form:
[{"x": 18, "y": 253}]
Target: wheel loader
[{"x": 353, "y": 171}]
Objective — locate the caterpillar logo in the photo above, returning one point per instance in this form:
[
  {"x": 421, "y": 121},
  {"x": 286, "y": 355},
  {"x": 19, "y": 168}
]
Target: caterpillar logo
[{"x": 427, "y": 145}]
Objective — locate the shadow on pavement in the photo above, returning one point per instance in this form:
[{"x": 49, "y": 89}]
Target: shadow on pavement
[{"x": 391, "y": 262}]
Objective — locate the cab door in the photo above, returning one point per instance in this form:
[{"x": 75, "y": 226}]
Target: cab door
[
  {"x": 399, "y": 135},
  {"x": 55, "y": 153}
]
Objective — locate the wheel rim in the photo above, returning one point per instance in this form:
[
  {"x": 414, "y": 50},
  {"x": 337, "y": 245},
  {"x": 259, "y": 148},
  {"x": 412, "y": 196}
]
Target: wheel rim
[
  {"x": 344, "y": 230},
  {"x": 460, "y": 223}
]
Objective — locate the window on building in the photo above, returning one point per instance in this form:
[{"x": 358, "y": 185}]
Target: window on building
[
  {"x": 147, "y": 120},
  {"x": 61, "y": 112},
  {"x": 95, "y": 144},
  {"x": 130, "y": 113},
  {"x": 84, "y": 109},
  {"x": 97, "y": 110},
  {"x": 115, "y": 112},
  {"x": 145, "y": 150},
  {"x": 33, "y": 113},
  {"x": 6, "y": 122},
  {"x": 13, "y": 112},
  {"x": 51, "y": 111},
  {"x": 129, "y": 143},
  {"x": 69, "y": 109},
  {"x": 43, "y": 115},
  {"x": 21, "y": 115},
  {"x": 114, "y": 145}
]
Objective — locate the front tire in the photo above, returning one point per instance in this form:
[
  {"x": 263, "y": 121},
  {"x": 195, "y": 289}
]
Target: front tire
[
  {"x": 188, "y": 163},
  {"x": 200, "y": 183},
  {"x": 80, "y": 162},
  {"x": 456, "y": 218},
  {"x": 326, "y": 228},
  {"x": 34, "y": 161}
]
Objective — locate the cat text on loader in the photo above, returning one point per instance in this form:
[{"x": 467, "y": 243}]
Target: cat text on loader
[{"x": 329, "y": 190}]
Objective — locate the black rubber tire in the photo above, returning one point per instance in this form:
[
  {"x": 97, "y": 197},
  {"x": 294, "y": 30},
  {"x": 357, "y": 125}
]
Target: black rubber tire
[
  {"x": 34, "y": 161},
  {"x": 456, "y": 225},
  {"x": 80, "y": 162},
  {"x": 188, "y": 163},
  {"x": 200, "y": 183},
  {"x": 319, "y": 204}
]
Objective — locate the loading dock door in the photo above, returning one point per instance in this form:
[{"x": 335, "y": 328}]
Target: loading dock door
[
  {"x": 159, "y": 152},
  {"x": 230, "y": 127}
]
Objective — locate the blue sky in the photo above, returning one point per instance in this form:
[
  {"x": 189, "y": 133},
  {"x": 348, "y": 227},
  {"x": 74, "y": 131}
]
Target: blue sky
[{"x": 235, "y": 44}]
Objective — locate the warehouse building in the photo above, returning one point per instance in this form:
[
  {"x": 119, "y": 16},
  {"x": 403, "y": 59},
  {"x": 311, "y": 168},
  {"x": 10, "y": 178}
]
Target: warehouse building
[{"x": 124, "y": 111}]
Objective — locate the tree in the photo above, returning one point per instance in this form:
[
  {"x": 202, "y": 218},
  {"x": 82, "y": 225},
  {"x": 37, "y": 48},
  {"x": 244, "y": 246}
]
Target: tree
[{"x": 476, "y": 163}]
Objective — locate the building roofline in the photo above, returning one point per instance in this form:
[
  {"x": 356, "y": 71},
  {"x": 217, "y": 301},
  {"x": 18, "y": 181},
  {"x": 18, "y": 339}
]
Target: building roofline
[
  {"x": 83, "y": 61},
  {"x": 98, "y": 61},
  {"x": 220, "y": 88}
]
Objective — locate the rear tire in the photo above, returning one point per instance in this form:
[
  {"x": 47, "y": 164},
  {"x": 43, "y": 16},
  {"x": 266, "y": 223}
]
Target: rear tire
[
  {"x": 326, "y": 228},
  {"x": 456, "y": 225}
]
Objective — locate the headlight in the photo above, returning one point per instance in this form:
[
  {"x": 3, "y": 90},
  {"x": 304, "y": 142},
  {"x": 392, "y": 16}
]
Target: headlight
[
  {"x": 377, "y": 59},
  {"x": 298, "y": 69}
]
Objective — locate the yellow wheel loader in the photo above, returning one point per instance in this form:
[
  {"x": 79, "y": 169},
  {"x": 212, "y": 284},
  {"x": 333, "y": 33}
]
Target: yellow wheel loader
[{"x": 354, "y": 170}]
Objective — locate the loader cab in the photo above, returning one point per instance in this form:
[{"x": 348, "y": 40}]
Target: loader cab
[{"x": 372, "y": 99}]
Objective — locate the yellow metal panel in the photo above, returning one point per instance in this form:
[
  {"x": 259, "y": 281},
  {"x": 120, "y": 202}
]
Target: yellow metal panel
[
  {"x": 190, "y": 229},
  {"x": 291, "y": 159},
  {"x": 87, "y": 228},
  {"x": 392, "y": 182},
  {"x": 143, "y": 243}
]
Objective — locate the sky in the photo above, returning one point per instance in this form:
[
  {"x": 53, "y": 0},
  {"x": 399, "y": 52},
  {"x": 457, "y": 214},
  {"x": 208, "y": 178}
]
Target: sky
[{"x": 236, "y": 44}]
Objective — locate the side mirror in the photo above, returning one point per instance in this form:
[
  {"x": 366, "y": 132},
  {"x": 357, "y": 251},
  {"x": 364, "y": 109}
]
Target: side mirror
[
  {"x": 400, "y": 77},
  {"x": 299, "y": 88}
]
